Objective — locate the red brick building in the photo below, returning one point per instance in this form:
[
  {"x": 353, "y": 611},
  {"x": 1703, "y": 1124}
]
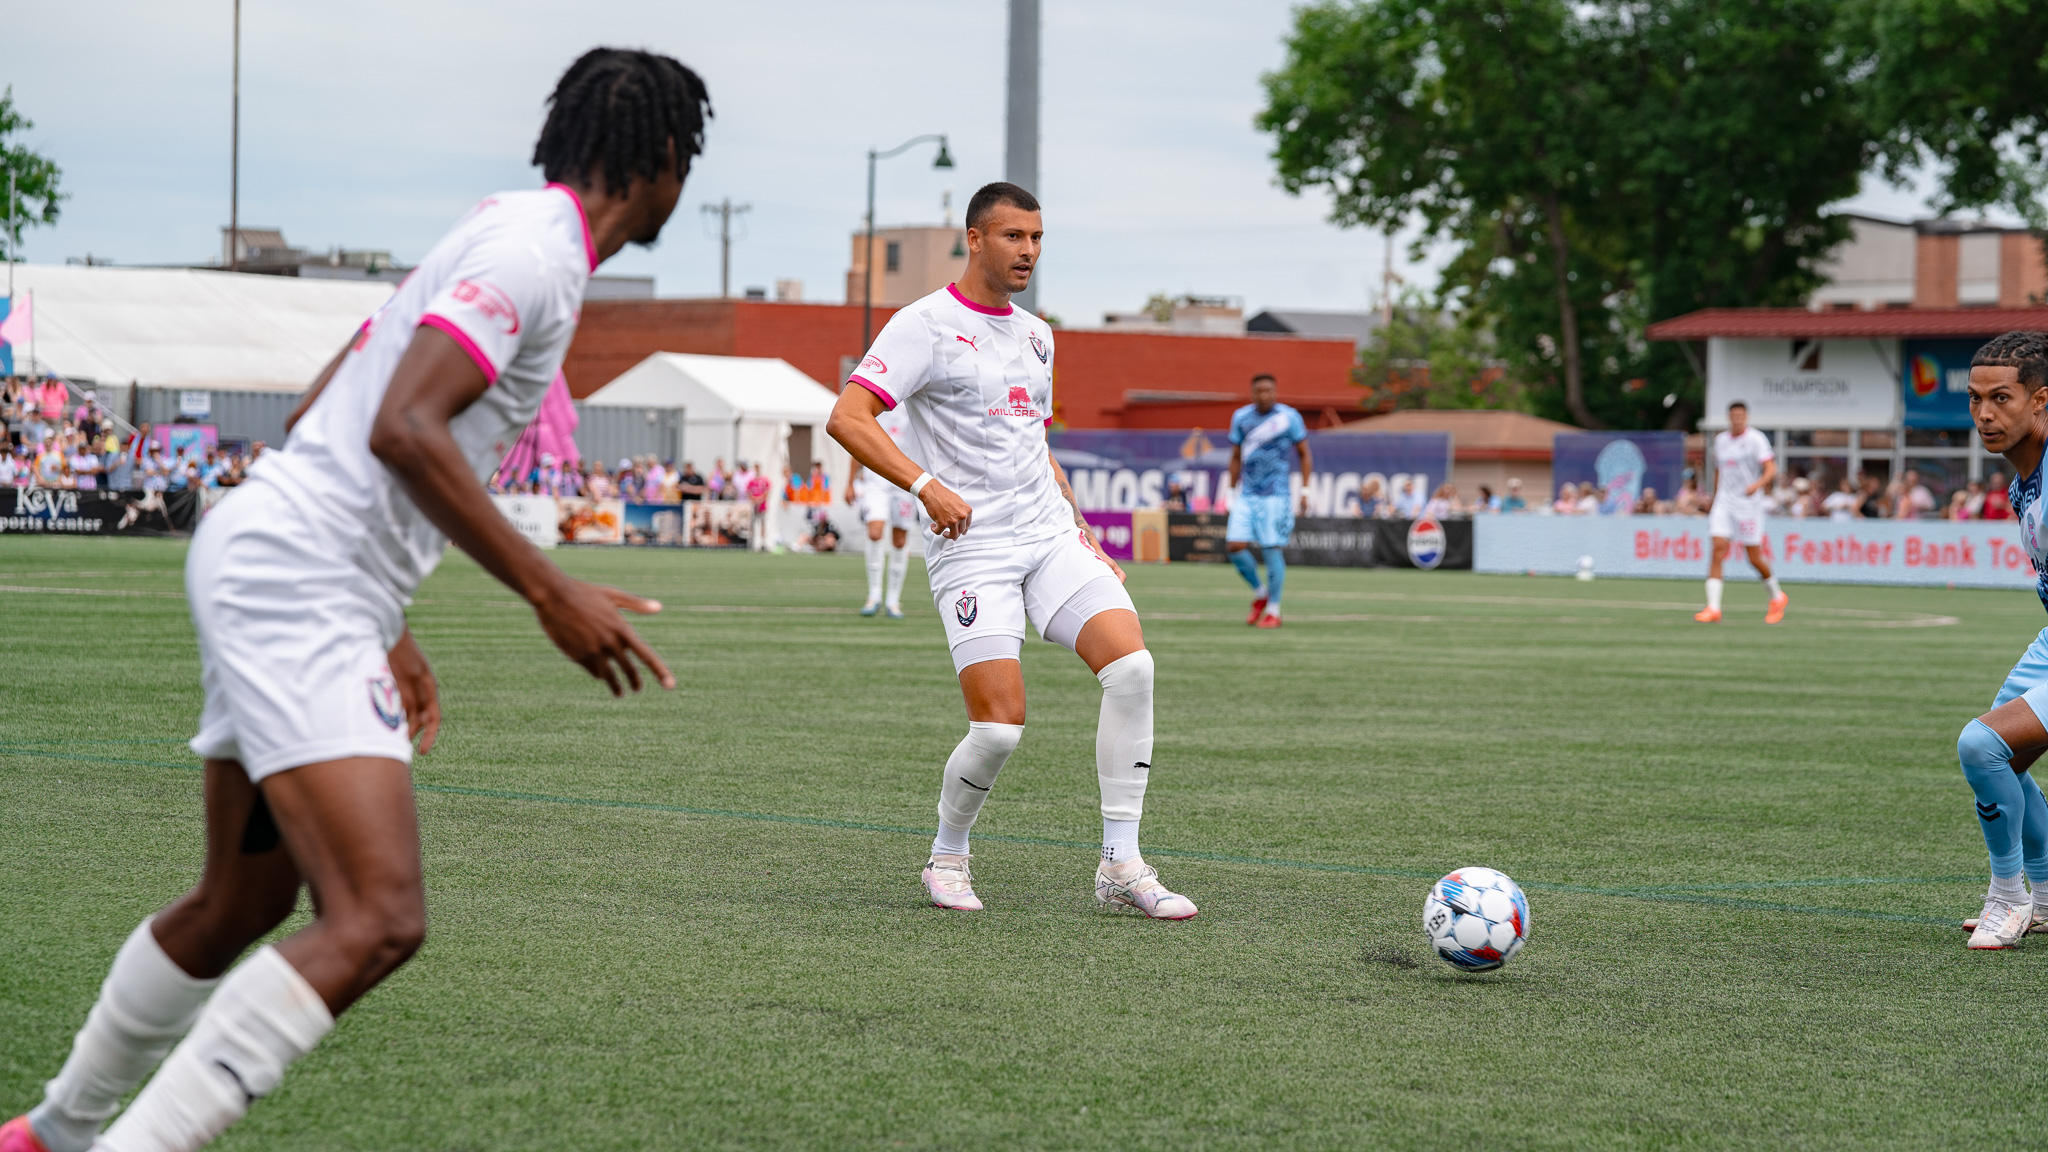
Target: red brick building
[{"x": 1101, "y": 379}]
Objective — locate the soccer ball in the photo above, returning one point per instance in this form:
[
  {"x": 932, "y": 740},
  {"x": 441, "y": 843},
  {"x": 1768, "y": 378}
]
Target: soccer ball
[{"x": 1476, "y": 919}]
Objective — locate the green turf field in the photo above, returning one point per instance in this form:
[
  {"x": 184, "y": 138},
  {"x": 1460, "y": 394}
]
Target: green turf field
[{"x": 693, "y": 920}]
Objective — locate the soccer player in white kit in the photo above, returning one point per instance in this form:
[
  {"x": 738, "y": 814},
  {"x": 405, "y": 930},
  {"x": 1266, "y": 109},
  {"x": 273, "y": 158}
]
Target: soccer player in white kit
[
  {"x": 974, "y": 372},
  {"x": 885, "y": 508},
  {"x": 298, "y": 584},
  {"x": 1745, "y": 466}
]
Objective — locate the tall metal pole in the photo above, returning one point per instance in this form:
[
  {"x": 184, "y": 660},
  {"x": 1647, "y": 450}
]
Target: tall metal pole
[
  {"x": 235, "y": 156},
  {"x": 1020, "y": 126},
  {"x": 13, "y": 234},
  {"x": 725, "y": 210},
  {"x": 867, "y": 272}
]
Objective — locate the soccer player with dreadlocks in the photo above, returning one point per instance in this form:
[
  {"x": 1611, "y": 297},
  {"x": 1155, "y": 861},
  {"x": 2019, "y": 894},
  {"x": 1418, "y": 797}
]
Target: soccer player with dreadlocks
[
  {"x": 2009, "y": 405},
  {"x": 315, "y": 689}
]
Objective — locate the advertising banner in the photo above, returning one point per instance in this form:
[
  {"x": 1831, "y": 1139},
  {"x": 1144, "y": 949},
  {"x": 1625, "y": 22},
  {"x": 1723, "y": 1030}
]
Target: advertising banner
[
  {"x": 1937, "y": 382},
  {"x": 1619, "y": 464},
  {"x": 1803, "y": 383},
  {"x": 660, "y": 524},
  {"x": 1112, "y": 532},
  {"x": 68, "y": 512},
  {"x": 1116, "y": 471},
  {"x": 181, "y": 440},
  {"x": 587, "y": 521},
  {"x": 1195, "y": 536},
  {"x": 536, "y": 517},
  {"x": 717, "y": 523},
  {"x": 1335, "y": 541},
  {"x": 1966, "y": 553}
]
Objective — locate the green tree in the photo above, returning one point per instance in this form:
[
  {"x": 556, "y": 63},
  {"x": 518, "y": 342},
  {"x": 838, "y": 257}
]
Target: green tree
[
  {"x": 1963, "y": 84},
  {"x": 1596, "y": 166},
  {"x": 1427, "y": 358},
  {"x": 35, "y": 176}
]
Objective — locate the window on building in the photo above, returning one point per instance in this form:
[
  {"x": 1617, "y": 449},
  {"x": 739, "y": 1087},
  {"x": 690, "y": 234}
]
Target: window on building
[{"x": 895, "y": 257}]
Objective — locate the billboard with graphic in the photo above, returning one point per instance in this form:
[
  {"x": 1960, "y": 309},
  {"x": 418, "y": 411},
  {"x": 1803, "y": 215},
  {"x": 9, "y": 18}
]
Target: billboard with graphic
[
  {"x": 1619, "y": 464},
  {"x": 1937, "y": 382}
]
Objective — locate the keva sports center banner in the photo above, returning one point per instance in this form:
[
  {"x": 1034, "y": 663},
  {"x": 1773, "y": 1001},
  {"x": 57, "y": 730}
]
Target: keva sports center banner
[
  {"x": 1966, "y": 553},
  {"x": 103, "y": 512},
  {"x": 1115, "y": 471}
]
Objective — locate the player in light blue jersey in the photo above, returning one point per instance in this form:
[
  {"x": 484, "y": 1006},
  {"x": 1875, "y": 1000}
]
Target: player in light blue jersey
[
  {"x": 2009, "y": 404},
  {"x": 1266, "y": 436}
]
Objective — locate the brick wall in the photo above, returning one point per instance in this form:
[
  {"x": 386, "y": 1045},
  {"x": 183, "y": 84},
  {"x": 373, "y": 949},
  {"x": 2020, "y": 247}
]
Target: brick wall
[{"x": 1194, "y": 379}]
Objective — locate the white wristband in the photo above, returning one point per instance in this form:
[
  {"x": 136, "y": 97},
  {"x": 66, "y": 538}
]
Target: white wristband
[{"x": 917, "y": 485}]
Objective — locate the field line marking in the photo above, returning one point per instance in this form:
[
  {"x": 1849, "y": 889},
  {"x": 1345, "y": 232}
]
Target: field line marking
[
  {"x": 1667, "y": 895},
  {"x": 91, "y": 592}
]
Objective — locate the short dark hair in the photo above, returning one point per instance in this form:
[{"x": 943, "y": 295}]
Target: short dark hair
[
  {"x": 1001, "y": 192},
  {"x": 620, "y": 108},
  {"x": 1267, "y": 377},
  {"x": 1738, "y": 404},
  {"x": 2026, "y": 351}
]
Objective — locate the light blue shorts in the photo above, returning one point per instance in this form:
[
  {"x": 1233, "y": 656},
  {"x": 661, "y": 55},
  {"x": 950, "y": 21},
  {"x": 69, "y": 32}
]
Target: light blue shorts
[
  {"x": 2028, "y": 679},
  {"x": 1263, "y": 520}
]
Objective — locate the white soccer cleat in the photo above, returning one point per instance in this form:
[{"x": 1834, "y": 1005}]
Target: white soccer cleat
[
  {"x": 2038, "y": 927},
  {"x": 871, "y": 607},
  {"x": 947, "y": 881},
  {"x": 1135, "y": 884},
  {"x": 2002, "y": 923}
]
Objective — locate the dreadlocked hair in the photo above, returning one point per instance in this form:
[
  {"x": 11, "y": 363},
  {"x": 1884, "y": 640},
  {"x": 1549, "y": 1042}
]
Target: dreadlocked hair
[
  {"x": 2026, "y": 351},
  {"x": 621, "y": 108}
]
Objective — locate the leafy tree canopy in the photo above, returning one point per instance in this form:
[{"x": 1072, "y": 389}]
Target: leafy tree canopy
[{"x": 35, "y": 176}]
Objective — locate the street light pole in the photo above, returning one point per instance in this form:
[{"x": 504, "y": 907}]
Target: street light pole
[
  {"x": 867, "y": 292},
  {"x": 235, "y": 155}
]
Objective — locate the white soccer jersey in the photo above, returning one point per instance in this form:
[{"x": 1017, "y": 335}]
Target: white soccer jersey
[
  {"x": 976, "y": 384},
  {"x": 1740, "y": 461},
  {"x": 507, "y": 285}
]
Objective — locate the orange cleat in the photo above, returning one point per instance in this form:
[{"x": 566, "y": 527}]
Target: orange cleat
[
  {"x": 1258, "y": 610},
  {"x": 1776, "y": 612},
  {"x": 1708, "y": 615},
  {"x": 17, "y": 1136},
  {"x": 1269, "y": 620}
]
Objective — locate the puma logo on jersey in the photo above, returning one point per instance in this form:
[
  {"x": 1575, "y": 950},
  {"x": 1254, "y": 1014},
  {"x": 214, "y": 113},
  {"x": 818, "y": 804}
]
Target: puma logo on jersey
[{"x": 967, "y": 341}]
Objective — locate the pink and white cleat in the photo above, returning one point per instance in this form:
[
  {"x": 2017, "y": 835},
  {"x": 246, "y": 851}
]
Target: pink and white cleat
[
  {"x": 1135, "y": 884},
  {"x": 947, "y": 881}
]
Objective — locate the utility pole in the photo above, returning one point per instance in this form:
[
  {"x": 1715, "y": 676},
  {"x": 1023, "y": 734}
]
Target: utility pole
[
  {"x": 1020, "y": 124},
  {"x": 1387, "y": 282},
  {"x": 13, "y": 234},
  {"x": 235, "y": 155},
  {"x": 725, "y": 210}
]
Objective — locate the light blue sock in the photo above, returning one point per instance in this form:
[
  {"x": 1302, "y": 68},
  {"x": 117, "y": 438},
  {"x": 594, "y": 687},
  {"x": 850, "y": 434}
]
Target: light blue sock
[
  {"x": 1276, "y": 578},
  {"x": 2034, "y": 833},
  {"x": 1242, "y": 561},
  {"x": 2001, "y": 801}
]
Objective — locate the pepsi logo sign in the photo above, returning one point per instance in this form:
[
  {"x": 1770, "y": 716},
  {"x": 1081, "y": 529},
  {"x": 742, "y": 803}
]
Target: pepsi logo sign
[{"x": 1426, "y": 542}]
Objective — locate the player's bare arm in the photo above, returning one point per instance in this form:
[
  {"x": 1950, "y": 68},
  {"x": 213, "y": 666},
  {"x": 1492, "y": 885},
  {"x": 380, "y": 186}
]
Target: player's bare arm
[
  {"x": 417, "y": 691},
  {"x": 852, "y": 478},
  {"x": 1763, "y": 479},
  {"x": 1236, "y": 464},
  {"x": 433, "y": 384},
  {"x": 1059, "y": 477},
  {"x": 1308, "y": 471},
  {"x": 854, "y": 426}
]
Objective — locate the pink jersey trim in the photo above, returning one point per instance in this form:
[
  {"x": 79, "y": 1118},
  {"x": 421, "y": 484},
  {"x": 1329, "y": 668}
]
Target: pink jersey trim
[
  {"x": 877, "y": 389},
  {"x": 589, "y": 247},
  {"x": 456, "y": 334},
  {"x": 984, "y": 309}
]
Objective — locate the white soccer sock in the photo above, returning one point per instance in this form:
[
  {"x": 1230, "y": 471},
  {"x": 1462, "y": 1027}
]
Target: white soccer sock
[
  {"x": 970, "y": 773},
  {"x": 1714, "y": 594},
  {"x": 1119, "y": 840},
  {"x": 1123, "y": 749},
  {"x": 145, "y": 1004},
  {"x": 2008, "y": 888},
  {"x": 262, "y": 1017},
  {"x": 899, "y": 567},
  {"x": 1771, "y": 581},
  {"x": 874, "y": 558}
]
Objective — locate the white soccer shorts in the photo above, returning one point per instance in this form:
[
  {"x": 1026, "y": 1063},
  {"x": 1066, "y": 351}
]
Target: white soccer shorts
[
  {"x": 881, "y": 500},
  {"x": 293, "y": 641},
  {"x": 1737, "y": 519},
  {"x": 989, "y": 593}
]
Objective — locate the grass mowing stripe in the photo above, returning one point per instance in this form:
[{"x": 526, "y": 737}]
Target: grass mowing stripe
[{"x": 1665, "y": 895}]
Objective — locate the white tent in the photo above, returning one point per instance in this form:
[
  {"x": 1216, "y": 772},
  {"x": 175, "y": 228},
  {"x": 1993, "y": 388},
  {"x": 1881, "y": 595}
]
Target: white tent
[
  {"x": 734, "y": 408},
  {"x": 188, "y": 328},
  {"x": 737, "y": 408}
]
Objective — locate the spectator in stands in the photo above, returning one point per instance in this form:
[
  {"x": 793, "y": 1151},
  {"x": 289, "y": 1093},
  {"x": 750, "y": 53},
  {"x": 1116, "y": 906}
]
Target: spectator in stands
[
  {"x": 1997, "y": 505},
  {"x": 629, "y": 480},
  {"x": 1958, "y": 505},
  {"x": 85, "y": 467},
  {"x": 1646, "y": 502},
  {"x": 1409, "y": 500},
  {"x": 1589, "y": 499},
  {"x": 50, "y": 464},
  {"x": 1176, "y": 496},
  {"x": 1915, "y": 501},
  {"x": 1567, "y": 502},
  {"x": 1973, "y": 502},
  {"x": 1872, "y": 506},
  {"x": 1444, "y": 503},
  {"x": 653, "y": 479},
  {"x": 715, "y": 484},
  {"x": 597, "y": 483},
  {"x": 758, "y": 488},
  {"x": 1487, "y": 502},
  {"x": 821, "y": 485},
  {"x": 1513, "y": 501},
  {"x": 1372, "y": 500},
  {"x": 1841, "y": 503},
  {"x": 691, "y": 485},
  {"x": 1689, "y": 502}
]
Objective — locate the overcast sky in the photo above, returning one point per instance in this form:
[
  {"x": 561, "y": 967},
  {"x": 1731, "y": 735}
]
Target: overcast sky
[{"x": 376, "y": 124}]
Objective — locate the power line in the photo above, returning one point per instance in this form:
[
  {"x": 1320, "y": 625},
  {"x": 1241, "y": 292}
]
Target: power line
[{"x": 725, "y": 210}]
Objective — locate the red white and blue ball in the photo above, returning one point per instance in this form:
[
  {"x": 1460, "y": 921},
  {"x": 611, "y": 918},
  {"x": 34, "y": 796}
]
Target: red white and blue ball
[{"x": 1476, "y": 919}]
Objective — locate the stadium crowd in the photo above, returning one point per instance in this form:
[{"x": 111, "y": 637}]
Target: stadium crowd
[
  {"x": 53, "y": 442},
  {"x": 649, "y": 480}
]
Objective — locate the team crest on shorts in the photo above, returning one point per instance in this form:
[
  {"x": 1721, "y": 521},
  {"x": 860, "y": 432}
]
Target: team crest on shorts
[
  {"x": 384, "y": 700},
  {"x": 966, "y": 609},
  {"x": 1038, "y": 346}
]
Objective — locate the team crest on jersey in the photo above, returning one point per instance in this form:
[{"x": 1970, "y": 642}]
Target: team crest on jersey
[
  {"x": 967, "y": 609},
  {"x": 384, "y": 700},
  {"x": 1039, "y": 347}
]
